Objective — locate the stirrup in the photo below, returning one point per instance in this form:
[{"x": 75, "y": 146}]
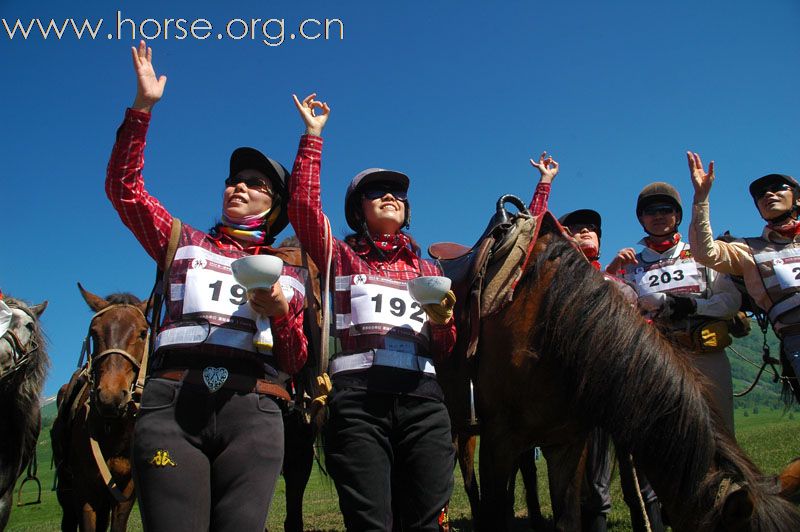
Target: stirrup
[{"x": 38, "y": 487}]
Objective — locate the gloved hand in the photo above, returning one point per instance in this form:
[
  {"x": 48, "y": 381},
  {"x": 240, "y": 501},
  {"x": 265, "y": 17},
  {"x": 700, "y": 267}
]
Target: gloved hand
[
  {"x": 442, "y": 312},
  {"x": 324, "y": 387},
  {"x": 652, "y": 302},
  {"x": 318, "y": 412},
  {"x": 679, "y": 307}
]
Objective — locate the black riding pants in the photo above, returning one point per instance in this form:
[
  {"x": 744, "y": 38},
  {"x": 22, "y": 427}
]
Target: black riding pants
[
  {"x": 598, "y": 477},
  {"x": 205, "y": 461},
  {"x": 385, "y": 452}
]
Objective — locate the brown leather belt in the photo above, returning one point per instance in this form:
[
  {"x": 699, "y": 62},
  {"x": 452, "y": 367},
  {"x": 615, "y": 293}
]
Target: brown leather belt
[{"x": 235, "y": 382}]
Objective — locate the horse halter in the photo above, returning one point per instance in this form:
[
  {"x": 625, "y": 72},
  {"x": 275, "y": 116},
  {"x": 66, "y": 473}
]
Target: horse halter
[
  {"x": 21, "y": 354},
  {"x": 94, "y": 358}
]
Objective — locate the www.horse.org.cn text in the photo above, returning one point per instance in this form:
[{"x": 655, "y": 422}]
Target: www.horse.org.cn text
[{"x": 269, "y": 31}]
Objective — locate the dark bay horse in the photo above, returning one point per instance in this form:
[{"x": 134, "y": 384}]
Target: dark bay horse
[
  {"x": 569, "y": 353},
  {"x": 23, "y": 365},
  {"x": 93, "y": 431}
]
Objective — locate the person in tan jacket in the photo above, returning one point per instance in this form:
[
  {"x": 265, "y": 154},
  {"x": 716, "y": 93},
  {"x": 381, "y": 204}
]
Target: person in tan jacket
[{"x": 769, "y": 264}]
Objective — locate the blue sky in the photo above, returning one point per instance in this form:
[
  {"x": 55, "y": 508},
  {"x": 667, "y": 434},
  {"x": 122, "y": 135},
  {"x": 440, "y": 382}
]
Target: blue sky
[{"x": 456, "y": 94}]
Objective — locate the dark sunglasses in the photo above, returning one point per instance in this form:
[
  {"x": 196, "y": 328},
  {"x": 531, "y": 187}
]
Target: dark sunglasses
[
  {"x": 772, "y": 187},
  {"x": 253, "y": 182},
  {"x": 577, "y": 228},
  {"x": 653, "y": 210},
  {"x": 373, "y": 193}
]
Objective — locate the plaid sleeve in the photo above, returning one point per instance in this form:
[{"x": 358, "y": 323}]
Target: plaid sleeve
[
  {"x": 291, "y": 344},
  {"x": 305, "y": 206},
  {"x": 443, "y": 338},
  {"x": 147, "y": 219},
  {"x": 538, "y": 204}
]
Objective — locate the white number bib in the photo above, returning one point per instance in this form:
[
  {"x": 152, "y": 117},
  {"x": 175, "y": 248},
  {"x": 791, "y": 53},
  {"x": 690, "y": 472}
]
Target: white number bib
[
  {"x": 668, "y": 278},
  {"x": 787, "y": 271},
  {"x": 370, "y": 303},
  {"x": 210, "y": 291}
]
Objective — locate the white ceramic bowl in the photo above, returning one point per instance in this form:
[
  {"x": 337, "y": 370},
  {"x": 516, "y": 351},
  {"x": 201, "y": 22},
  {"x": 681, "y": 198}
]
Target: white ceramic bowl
[
  {"x": 257, "y": 271},
  {"x": 427, "y": 290}
]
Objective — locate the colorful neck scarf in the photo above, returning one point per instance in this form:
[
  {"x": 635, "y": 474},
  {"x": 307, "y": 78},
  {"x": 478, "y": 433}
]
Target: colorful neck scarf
[
  {"x": 662, "y": 245},
  {"x": 246, "y": 228},
  {"x": 789, "y": 230}
]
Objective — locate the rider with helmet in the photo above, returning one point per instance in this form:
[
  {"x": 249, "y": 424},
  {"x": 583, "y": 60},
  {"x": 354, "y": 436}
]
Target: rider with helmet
[
  {"x": 208, "y": 443},
  {"x": 585, "y": 226},
  {"x": 768, "y": 263},
  {"x": 687, "y": 301},
  {"x": 388, "y": 445}
]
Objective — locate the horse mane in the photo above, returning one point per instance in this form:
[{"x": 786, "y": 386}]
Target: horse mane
[
  {"x": 123, "y": 298},
  {"x": 23, "y": 399},
  {"x": 624, "y": 376}
]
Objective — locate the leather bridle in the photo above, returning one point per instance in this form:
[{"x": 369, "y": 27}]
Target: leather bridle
[
  {"x": 21, "y": 354},
  {"x": 92, "y": 359}
]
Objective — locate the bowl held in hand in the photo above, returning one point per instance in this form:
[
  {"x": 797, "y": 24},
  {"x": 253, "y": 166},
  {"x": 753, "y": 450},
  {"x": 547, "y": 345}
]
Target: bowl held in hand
[
  {"x": 428, "y": 290},
  {"x": 257, "y": 271}
]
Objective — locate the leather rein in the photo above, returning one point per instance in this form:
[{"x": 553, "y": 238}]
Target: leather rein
[{"x": 136, "y": 391}]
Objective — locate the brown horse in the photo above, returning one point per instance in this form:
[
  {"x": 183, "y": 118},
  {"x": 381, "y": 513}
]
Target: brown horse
[
  {"x": 23, "y": 364},
  {"x": 569, "y": 353},
  {"x": 93, "y": 430}
]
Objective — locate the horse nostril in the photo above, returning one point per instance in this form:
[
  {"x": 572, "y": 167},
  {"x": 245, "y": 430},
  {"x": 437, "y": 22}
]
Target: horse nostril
[{"x": 125, "y": 397}]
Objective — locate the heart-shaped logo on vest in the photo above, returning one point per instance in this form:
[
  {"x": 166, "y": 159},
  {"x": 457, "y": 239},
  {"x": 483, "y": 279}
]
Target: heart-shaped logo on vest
[{"x": 214, "y": 378}]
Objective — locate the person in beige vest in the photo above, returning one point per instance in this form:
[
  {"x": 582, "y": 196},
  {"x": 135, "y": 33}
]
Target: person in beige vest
[
  {"x": 688, "y": 302},
  {"x": 769, "y": 264}
]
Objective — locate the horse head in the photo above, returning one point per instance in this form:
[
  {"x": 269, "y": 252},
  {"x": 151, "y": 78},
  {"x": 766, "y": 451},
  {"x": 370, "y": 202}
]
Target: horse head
[
  {"x": 23, "y": 339},
  {"x": 118, "y": 335}
]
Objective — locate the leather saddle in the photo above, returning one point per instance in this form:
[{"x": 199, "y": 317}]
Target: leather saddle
[{"x": 484, "y": 275}]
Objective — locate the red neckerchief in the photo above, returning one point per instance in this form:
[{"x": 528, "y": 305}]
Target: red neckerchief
[
  {"x": 595, "y": 264},
  {"x": 789, "y": 230},
  {"x": 661, "y": 247},
  {"x": 385, "y": 242}
]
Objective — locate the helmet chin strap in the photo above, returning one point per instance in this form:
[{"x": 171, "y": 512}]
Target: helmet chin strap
[
  {"x": 370, "y": 242},
  {"x": 778, "y": 220},
  {"x": 665, "y": 237}
]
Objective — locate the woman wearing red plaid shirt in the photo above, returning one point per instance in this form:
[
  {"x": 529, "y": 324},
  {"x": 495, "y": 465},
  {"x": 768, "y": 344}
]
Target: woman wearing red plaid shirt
[
  {"x": 208, "y": 445},
  {"x": 387, "y": 441}
]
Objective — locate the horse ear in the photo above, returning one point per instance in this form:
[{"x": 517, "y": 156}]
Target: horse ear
[
  {"x": 38, "y": 310},
  {"x": 737, "y": 509},
  {"x": 144, "y": 305},
  {"x": 96, "y": 303}
]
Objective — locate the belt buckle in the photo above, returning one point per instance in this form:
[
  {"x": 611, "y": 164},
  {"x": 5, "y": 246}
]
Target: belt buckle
[{"x": 214, "y": 378}]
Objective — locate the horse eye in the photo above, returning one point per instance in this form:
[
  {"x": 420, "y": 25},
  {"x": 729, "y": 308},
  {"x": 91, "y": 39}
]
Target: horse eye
[
  {"x": 29, "y": 326},
  {"x": 143, "y": 334}
]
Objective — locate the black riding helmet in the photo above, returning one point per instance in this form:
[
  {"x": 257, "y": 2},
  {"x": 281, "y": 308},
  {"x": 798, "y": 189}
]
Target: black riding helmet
[
  {"x": 757, "y": 187},
  {"x": 583, "y": 216},
  {"x": 659, "y": 192},
  {"x": 244, "y": 158},
  {"x": 352, "y": 199}
]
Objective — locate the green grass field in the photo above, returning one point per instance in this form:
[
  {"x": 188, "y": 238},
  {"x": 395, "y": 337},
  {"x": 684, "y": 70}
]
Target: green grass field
[{"x": 769, "y": 436}]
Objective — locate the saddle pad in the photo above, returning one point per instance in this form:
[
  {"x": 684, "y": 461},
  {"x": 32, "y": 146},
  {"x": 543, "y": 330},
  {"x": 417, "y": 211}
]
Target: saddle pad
[{"x": 503, "y": 272}]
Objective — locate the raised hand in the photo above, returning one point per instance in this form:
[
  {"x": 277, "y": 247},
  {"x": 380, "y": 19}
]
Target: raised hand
[
  {"x": 150, "y": 88},
  {"x": 547, "y": 166},
  {"x": 701, "y": 179},
  {"x": 314, "y": 122},
  {"x": 625, "y": 256}
]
